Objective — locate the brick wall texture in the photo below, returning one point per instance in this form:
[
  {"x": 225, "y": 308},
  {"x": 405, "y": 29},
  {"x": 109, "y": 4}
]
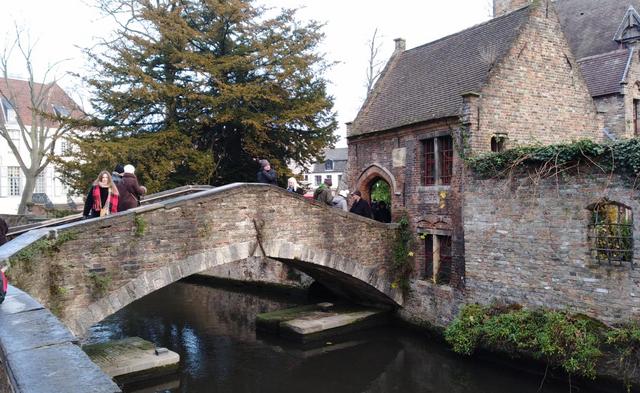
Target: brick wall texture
[
  {"x": 526, "y": 243},
  {"x": 536, "y": 93}
]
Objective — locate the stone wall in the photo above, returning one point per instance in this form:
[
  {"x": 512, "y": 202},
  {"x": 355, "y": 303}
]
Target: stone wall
[
  {"x": 526, "y": 243},
  {"x": 111, "y": 262},
  {"x": 613, "y": 108},
  {"x": 536, "y": 93}
]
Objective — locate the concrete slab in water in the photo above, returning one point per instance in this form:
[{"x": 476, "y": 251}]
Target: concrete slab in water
[
  {"x": 131, "y": 356},
  {"x": 315, "y": 322}
]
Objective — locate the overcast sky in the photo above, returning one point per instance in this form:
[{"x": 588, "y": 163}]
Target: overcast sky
[{"x": 62, "y": 26}]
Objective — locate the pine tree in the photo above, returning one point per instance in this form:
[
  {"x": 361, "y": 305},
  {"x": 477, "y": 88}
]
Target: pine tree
[{"x": 195, "y": 91}]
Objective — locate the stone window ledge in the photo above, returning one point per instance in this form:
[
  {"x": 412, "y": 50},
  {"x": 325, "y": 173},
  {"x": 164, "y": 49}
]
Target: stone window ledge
[{"x": 434, "y": 188}]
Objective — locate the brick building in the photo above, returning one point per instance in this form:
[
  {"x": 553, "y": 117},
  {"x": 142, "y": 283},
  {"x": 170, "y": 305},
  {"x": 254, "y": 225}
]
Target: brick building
[{"x": 539, "y": 73}]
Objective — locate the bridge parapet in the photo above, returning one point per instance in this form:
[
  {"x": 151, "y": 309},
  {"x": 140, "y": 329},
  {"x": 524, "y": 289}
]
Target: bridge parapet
[{"x": 85, "y": 271}]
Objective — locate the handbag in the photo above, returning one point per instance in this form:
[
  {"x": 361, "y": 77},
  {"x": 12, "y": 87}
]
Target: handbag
[{"x": 105, "y": 210}]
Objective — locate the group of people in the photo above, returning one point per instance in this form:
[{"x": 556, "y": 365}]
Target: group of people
[
  {"x": 379, "y": 212},
  {"x": 113, "y": 192}
]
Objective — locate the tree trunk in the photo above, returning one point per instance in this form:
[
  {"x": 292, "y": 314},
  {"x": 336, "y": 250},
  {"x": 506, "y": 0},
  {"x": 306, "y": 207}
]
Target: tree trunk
[{"x": 27, "y": 192}]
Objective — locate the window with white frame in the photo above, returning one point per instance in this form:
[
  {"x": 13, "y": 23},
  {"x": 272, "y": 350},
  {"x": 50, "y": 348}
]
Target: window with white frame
[
  {"x": 318, "y": 179},
  {"x": 40, "y": 184},
  {"x": 328, "y": 165},
  {"x": 13, "y": 178},
  {"x": 65, "y": 147},
  {"x": 9, "y": 112},
  {"x": 60, "y": 111}
]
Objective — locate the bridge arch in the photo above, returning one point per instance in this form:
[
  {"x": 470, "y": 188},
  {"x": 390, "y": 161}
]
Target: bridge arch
[
  {"x": 359, "y": 283},
  {"x": 149, "y": 247}
]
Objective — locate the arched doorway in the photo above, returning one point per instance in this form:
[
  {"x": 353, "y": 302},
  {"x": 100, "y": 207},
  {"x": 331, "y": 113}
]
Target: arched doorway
[{"x": 380, "y": 192}]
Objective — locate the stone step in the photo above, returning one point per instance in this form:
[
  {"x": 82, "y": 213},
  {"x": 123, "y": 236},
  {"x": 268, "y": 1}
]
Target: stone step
[{"x": 132, "y": 359}]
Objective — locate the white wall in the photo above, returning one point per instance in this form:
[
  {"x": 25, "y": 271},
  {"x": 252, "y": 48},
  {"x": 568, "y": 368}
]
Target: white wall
[{"x": 54, "y": 189}]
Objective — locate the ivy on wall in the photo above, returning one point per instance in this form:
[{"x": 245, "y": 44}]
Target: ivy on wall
[{"x": 621, "y": 157}]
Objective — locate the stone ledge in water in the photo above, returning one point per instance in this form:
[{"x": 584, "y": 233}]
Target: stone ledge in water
[
  {"x": 132, "y": 356},
  {"x": 318, "y": 321}
]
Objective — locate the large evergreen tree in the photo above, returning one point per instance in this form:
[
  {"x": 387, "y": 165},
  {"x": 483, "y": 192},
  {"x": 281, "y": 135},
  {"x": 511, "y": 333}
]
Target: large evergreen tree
[{"x": 194, "y": 91}]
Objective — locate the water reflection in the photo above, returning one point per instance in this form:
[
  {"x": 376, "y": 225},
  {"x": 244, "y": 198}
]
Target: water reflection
[{"x": 213, "y": 330}]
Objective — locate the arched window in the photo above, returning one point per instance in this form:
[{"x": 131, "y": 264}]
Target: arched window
[{"x": 611, "y": 232}]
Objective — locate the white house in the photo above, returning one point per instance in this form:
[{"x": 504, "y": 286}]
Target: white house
[
  {"x": 16, "y": 104},
  {"x": 333, "y": 167}
]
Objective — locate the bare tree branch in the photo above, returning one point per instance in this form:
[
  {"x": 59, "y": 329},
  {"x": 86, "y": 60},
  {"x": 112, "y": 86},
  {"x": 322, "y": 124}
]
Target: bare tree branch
[
  {"x": 374, "y": 67},
  {"x": 32, "y": 107}
]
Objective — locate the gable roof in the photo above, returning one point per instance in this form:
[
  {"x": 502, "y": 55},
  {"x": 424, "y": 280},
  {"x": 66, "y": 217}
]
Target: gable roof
[
  {"x": 18, "y": 93},
  {"x": 604, "y": 73},
  {"x": 591, "y": 25},
  {"x": 427, "y": 82}
]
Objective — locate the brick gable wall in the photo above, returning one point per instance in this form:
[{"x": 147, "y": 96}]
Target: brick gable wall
[{"x": 536, "y": 93}]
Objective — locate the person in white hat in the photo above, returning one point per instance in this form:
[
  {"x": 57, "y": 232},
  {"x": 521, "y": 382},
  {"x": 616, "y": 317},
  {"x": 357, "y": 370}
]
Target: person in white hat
[
  {"x": 340, "y": 200},
  {"x": 130, "y": 190}
]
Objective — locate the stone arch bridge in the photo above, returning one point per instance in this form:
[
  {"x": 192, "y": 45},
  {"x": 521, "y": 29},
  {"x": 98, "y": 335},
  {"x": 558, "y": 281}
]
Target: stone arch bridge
[{"x": 87, "y": 270}]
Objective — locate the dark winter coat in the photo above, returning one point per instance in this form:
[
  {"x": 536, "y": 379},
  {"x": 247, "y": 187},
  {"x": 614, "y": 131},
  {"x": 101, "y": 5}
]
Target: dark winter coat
[
  {"x": 91, "y": 208},
  {"x": 361, "y": 208},
  {"x": 116, "y": 177},
  {"x": 267, "y": 177},
  {"x": 4, "y": 229},
  {"x": 130, "y": 192}
]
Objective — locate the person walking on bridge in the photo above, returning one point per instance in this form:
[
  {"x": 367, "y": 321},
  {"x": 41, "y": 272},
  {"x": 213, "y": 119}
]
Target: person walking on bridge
[
  {"x": 130, "y": 190},
  {"x": 360, "y": 206},
  {"x": 103, "y": 197},
  {"x": 266, "y": 175},
  {"x": 4, "y": 229},
  {"x": 340, "y": 200},
  {"x": 323, "y": 193}
]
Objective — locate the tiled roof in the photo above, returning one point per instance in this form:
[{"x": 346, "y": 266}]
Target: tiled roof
[
  {"x": 590, "y": 25},
  {"x": 340, "y": 153},
  {"x": 18, "y": 93},
  {"x": 603, "y": 73},
  {"x": 339, "y": 157},
  {"x": 427, "y": 82}
]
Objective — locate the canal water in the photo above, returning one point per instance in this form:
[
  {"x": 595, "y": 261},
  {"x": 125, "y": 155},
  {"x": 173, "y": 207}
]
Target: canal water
[{"x": 213, "y": 330}]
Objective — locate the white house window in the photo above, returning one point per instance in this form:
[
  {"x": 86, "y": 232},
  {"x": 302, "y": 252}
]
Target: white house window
[
  {"x": 65, "y": 147},
  {"x": 40, "y": 184},
  {"x": 318, "y": 179},
  {"x": 9, "y": 113},
  {"x": 328, "y": 165},
  {"x": 13, "y": 175},
  {"x": 60, "y": 111}
]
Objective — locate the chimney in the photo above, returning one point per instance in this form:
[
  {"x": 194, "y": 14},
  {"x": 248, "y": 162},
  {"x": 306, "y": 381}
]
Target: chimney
[
  {"x": 401, "y": 44},
  {"x": 501, "y": 7}
]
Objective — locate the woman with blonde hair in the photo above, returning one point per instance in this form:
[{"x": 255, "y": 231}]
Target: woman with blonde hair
[
  {"x": 103, "y": 196},
  {"x": 293, "y": 186}
]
